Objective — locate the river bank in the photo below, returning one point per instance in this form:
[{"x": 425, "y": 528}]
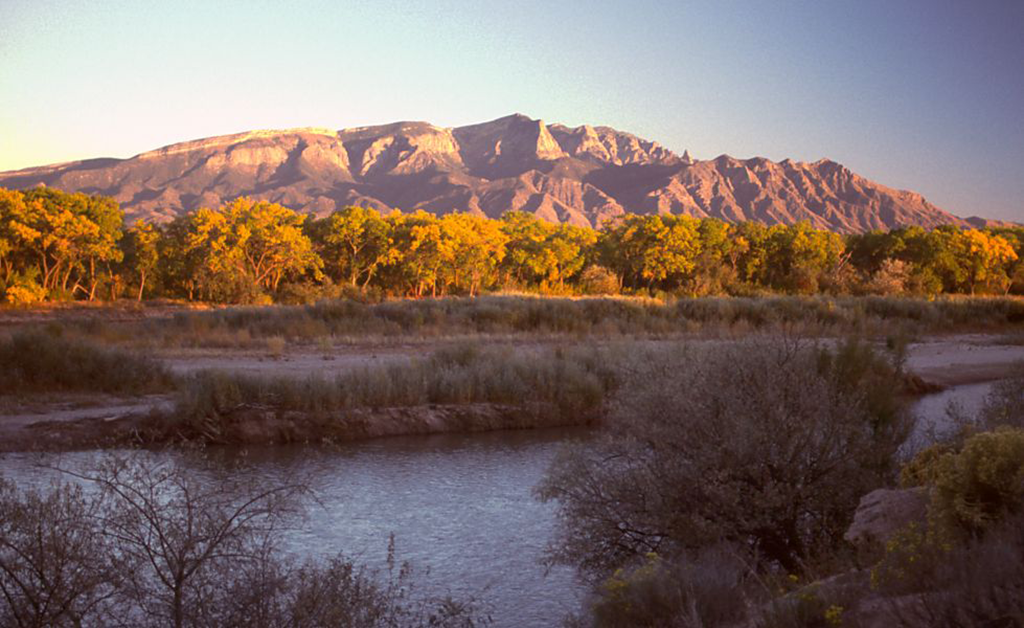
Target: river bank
[{"x": 83, "y": 421}]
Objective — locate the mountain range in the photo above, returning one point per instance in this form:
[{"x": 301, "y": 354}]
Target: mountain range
[{"x": 584, "y": 175}]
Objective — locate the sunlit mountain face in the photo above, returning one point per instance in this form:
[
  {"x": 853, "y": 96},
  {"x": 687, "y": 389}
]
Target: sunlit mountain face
[{"x": 584, "y": 175}]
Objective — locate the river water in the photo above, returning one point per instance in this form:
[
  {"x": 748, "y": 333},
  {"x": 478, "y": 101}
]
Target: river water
[{"x": 461, "y": 508}]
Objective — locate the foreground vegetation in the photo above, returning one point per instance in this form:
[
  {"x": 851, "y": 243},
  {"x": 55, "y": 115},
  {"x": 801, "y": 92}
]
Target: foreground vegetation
[
  {"x": 57, "y": 246},
  {"x": 137, "y": 542},
  {"x": 721, "y": 490},
  {"x": 460, "y": 388}
]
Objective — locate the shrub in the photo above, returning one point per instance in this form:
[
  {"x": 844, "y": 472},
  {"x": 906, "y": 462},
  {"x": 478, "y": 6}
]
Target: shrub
[
  {"x": 979, "y": 582},
  {"x": 706, "y": 590},
  {"x": 921, "y": 470},
  {"x": 592, "y": 316},
  {"x": 158, "y": 544},
  {"x": 54, "y": 569},
  {"x": 764, "y": 443},
  {"x": 981, "y": 484},
  {"x": 599, "y": 280},
  {"x": 909, "y": 553},
  {"x": 25, "y": 294}
]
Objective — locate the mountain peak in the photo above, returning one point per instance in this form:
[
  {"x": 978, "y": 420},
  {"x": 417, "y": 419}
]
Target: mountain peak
[{"x": 585, "y": 175}]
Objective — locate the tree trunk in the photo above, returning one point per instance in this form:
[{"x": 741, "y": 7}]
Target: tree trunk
[
  {"x": 92, "y": 278},
  {"x": 142, "y": 285},
  {"x": 369, "y": 276},
  {"x": 177, "y": 617}
]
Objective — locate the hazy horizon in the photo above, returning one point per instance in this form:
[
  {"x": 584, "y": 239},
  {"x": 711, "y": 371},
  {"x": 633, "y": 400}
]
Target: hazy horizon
[{"x": 917, "y": 95}]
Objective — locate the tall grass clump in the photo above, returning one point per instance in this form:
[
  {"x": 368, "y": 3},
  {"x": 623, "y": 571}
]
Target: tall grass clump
[
  {"x": 561, "y": 381},
  {"x": 35, "y": 361}
]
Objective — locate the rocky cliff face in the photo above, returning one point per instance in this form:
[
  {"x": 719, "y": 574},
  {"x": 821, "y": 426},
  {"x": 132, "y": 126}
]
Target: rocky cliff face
[{"x": 584, "y": 175}]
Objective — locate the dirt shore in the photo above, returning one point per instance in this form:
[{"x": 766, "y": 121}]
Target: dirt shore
[{"x": 961, "y": 360}]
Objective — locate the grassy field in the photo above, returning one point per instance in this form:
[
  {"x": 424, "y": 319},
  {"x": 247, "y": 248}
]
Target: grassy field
[{"x": 352, "y": 322}]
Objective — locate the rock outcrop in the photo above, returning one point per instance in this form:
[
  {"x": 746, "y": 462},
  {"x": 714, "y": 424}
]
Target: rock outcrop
[
  {"x": 585, "y": 175},
  {"x": 884, "y": 512}
]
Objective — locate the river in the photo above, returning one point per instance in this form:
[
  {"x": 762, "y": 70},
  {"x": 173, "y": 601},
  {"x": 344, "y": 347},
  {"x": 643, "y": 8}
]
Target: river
[{"x": 460, "y": 506}]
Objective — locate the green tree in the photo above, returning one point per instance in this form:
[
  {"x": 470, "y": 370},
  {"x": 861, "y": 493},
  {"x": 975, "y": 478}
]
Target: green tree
[
  {"x": 356, "y": 242},
  {"x": 526, "y": 235},
  {"x": 798, "y": 256},
  {"x": 142, "y": 253},
  {"x": 471, "y": 248},
  {"x": 649, "y": 249},
  {"x": 715, "y": 266},
  {"x": 270, "y": 242}
]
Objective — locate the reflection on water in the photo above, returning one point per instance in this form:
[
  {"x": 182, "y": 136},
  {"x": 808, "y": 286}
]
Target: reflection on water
[{"x": 460, "y": 506}]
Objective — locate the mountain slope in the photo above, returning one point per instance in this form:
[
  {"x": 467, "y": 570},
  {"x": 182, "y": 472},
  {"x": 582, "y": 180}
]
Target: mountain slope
[{"x": 584, "y": 175}]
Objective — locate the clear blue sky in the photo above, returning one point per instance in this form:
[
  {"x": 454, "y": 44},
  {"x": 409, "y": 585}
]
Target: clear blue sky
[{"x": 919, "y": 94}]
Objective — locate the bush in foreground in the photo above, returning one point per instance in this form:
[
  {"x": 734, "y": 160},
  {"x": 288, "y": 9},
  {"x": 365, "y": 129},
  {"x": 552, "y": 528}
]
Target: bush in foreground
[{"x": 767, "y": 443}]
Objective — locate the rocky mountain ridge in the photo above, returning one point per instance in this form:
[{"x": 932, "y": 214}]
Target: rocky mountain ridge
[{"x": 584, "y": 175}]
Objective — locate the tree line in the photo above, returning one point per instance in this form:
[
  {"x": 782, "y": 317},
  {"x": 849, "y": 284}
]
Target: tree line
[{"x": 60, "y": 246}]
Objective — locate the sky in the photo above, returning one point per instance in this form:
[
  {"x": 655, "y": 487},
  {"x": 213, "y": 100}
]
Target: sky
[{"x": 925, "y": 95}]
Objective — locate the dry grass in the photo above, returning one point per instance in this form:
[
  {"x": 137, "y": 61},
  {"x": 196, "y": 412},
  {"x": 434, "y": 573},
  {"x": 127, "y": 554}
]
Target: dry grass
[
  {"x": 569, "y": 385},
  {"x": 517, "y": 315},
  {"x": 36, "y": 361}
]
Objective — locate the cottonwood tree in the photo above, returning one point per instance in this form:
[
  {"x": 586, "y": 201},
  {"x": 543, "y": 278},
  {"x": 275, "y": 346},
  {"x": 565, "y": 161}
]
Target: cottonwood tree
[
  {"x": 268, "y": 243},
  {"x": 526, "y": 236},
  {"x": 650, "y": 250},
  {"x": 354, "y": 243},
  {"x": 69, "y": 238},
  {"x": 10, "y": 202},
  {"x": 142, "y": 253},
  {"x": 245, "y": 246},
  {"x": 471, "y": 249}
]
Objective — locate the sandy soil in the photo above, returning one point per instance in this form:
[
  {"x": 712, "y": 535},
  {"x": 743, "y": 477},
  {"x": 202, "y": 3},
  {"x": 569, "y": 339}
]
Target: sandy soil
[
  {"x": 960, "y": 360},
  {"x": 100, "y": 408}
]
